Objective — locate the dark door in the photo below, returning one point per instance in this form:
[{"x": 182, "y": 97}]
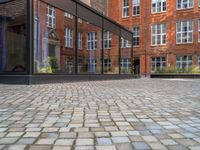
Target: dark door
[
  {"x": 52, "y": 52},
  {"x": 136, "y": 64}
]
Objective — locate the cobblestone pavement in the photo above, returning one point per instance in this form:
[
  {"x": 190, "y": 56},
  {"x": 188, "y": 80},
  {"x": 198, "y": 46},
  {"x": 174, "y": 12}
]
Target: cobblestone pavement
[{"x": 101, "y": 115}]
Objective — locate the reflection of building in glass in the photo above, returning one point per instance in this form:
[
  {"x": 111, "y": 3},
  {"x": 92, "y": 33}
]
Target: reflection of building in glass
[
  {"x": 67, "y": 38},
  {"x": 166, "y": 33}
]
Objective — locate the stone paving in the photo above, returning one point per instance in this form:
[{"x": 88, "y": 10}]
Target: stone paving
[{"x": 101, "y": 115}]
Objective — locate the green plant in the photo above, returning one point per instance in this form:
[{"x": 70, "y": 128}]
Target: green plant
[
  {"x": 189, "y": 70},
  {"x": 53, "y": 63}
]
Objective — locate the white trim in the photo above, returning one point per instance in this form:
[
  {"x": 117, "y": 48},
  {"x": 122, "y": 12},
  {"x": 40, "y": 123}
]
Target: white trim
[
  {"x": 68, "y": 38},
  {"x": 136, "y": 4},
  {"x": 182, "y": 32},
  {"x": 51, "y": 17},
  {"x": 161, "y": 34},
  {"x": 91, "y": 40},
  {"x": 156, "y": 6},
  {"x": 125, "y": 9},
  {"x": 188, "y": 2}
]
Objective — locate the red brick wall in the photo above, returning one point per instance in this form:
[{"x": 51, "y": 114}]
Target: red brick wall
[{"x": 146, "y": 19}]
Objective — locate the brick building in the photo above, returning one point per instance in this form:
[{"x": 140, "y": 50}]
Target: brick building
[
  {"x": 55, "y": 33},
  {"x": 166, "y": 32}
]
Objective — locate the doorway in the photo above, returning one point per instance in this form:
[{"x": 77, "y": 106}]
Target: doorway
[{"x": 136, "y": 64}]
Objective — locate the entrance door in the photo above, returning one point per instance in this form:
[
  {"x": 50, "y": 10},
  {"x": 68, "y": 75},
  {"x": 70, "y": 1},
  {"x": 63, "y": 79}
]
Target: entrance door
[
  {"x": 52, "y": 50},
  {"x": 136, "y": 64}
]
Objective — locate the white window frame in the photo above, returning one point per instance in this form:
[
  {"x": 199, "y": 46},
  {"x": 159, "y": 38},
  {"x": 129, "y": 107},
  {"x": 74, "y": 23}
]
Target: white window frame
[
  {"x": 181, "y": 61},
  {"x": 68, "y": 38},
  {"x": 125, "y": 43},
  {"x": 156, "y": 2},
  {"x": 136, "y": 7},
  {"x": 181, "y": 33},
  {"x": 92, "y": 64},
  {"x": 162, "y": 34},
  {"x": 80, "y": 40},
  {"x": 107, "y": 38},
  {"x": 107, "y": 63},
  {"x": 125, "y": 8},
  {"x": 154, "y": 63},
  {"x": 182, "y": 4},
  {"x": 92, "y": 40},
  {"x": 69, "y": 66},
  {"x": 136, "y": 34},
  {"x": 199, "y": 3},
  {"x": 125, "y": 64},
  {"x": 51, "y": 17},
  {"x": 68, "y": 15}
]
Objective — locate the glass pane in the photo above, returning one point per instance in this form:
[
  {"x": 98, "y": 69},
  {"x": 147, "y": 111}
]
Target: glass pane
[
  {"x": 126, "y": 58},
  {"x": 111, "y": 54},
  {"x": 89, "y": 57},
  {"x": 54, "y": 43},
  {"x": 13, "y": 36}
]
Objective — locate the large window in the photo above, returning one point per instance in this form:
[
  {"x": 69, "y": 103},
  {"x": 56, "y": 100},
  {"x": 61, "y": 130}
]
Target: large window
[
  {"x": 92, "y": 41},
  {"x": 125, "y": 65},
  {"x": 68, "y": 38},
  {"x": 136, "y": 36},
  {"x": 199, "y": 29},
  {"x": 183, "y": 62},
  {"x": 158, "y": 63},
  {"x": 92, "y": 64},
  {"x": 158, "y": 6},
  {"x": 107, "y": 65},
  {"x": 13, "y": 36},
  {"x": 125, "y": 8},
  {"x": 158, "y": 34},
  {"x": 184, "y": 32},
  {"x": 80, "y": 40},
  {"x": 107, "y": 40},
  {"x": 184, "y": 4},
  {"x": 136, "y": 7},
  {"x": 51, "y": 17}
]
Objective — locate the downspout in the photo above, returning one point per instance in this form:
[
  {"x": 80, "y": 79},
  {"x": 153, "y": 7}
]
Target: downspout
[{"x": 146, "y": 38}]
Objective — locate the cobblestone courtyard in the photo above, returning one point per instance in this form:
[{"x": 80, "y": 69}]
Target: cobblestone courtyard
[{"x": 101, "y": 115}]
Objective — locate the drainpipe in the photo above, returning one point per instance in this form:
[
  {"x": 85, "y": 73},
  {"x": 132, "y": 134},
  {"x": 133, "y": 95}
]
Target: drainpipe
[{"x": 146, "y": 38}]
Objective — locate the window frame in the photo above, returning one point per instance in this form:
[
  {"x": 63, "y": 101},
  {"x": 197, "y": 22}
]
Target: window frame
[
  {"x": 162, "y": 34},
  {"x": 181, "y": 61},
  {"x": 92, "y": 41},
  {"x": 80, "y": 41},
  {"x": 125, "y": 9},
  {"x": 181, "y": 32},
  {"x": 161, "y": 62},
  {"x": 68, "y": 38},
  {"x": 156, "y": 7},
  {"x": 51, "y": 16},
  {"x": 107, "y": 39},
  {"x": 68, "y": 15},
  {"x": 137, "y": 35},
  {"x": 136, "y": 5},
  {"x": 188, "y": 1}
]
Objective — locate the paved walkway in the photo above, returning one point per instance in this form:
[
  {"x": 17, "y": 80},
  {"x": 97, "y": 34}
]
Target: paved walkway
[{"x": 102, "y": 115}]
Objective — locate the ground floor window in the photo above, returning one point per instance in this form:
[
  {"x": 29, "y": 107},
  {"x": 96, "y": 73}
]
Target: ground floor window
[
  {"x": 107, "y": 65},
  {"x": 183, "y": 62},
  {"x": 125, "y": 65},
  {"x": 69, "y": 66},
  {"x": 158, "y": 63},
  {"x": 199, "y": 61},
  {"x": 92, "y": 65}
]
